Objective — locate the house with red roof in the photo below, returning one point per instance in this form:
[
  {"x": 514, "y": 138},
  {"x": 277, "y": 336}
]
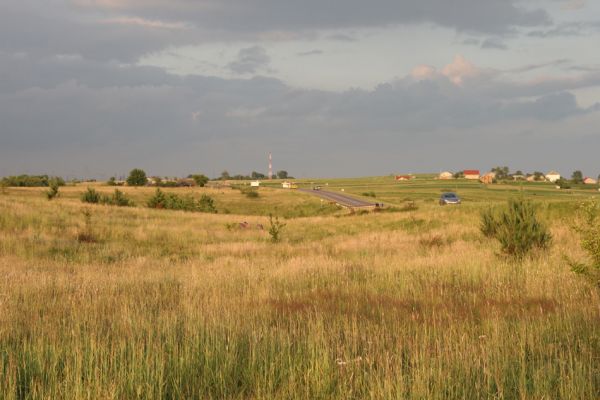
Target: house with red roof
[{"x": 472, "y": 174}]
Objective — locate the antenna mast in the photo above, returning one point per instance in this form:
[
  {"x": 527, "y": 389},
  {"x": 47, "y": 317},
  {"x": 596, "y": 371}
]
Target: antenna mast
[{"x": 270, "y": 166}]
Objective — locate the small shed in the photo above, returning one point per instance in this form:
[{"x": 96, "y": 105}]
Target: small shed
[
  {"x": 404, "y": 177},
  {"x": 446, "y": 175},
  {"x": 255, "y": 184}
]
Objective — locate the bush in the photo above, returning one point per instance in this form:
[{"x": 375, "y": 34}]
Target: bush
[
  {"x": 90, "y": 196},
  {"x": 516, "y": 228},
  {"x": 117, "y": 199},
  {"x": 275, "y": 228},
  {"x": 207, "y": 204},
  {"x": 86, "y": 235},
  {"x": 52, "y": 192},
  {"x": 251, "y": 194},
  {"x": 488, "y": 223},
  {"x": 171, "y": 201},
  {"x": 588, "y": 228},
  {"x": 31, "y": 181},
  {"x": 369, "y": 194}
]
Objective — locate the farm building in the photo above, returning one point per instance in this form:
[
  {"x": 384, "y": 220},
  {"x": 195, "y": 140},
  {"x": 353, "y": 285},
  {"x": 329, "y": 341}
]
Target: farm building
[
  {"x": 590, "y": 181},
  {"x": 289, "y": 185},
  {"x": 471, "y": 174},
  {"x": 186, "y": 182},
  {"x": 552, "y": 176},
  {"x": 255, "y": 184},
  {"x": 488, "y": 178},
  {"x": 446, "y": 175},
  {"x": 404, "y": 177}
]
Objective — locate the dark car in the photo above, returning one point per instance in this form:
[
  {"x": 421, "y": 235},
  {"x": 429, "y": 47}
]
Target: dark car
[{"x": 449, "y": 198}]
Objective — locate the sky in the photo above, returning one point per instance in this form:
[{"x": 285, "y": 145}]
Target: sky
[{"x": 333, "y": 88}]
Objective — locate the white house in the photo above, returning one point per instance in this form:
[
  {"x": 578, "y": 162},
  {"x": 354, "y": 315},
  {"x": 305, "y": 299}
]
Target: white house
[
  {"x": 445, "y": 175},
  {"x": 255, "y": 183},
  {"x": 552, "y": 176}
]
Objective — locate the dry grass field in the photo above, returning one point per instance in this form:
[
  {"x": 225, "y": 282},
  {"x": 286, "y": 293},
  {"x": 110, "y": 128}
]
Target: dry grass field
[{"x": 406, "y": 305}]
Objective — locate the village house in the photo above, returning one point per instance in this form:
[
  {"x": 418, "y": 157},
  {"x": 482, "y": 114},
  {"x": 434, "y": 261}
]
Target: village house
[
  {"x": 471, "y": 174},
  {"x": 445, "y": 175},
  {"x": 404, "y": 177},
  {"x": 488, "y": 178},
  {"x": 552, "y": 176},
  {"x": 255, "y": 184},
  {"x": 289, "y": 185},
  {"x": 590, "y": 181}
]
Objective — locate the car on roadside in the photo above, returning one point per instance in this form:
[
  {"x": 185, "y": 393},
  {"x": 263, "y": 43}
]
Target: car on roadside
[{"x": 449, "y": 198}]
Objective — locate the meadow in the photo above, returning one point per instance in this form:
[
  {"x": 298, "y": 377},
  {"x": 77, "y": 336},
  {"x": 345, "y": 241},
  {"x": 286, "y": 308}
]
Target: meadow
[{"x": 413, "y": 304}]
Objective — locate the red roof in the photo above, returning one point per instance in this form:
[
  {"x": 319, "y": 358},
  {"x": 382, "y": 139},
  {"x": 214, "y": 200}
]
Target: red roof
[
  {"x": 399, "y": 177},
  {"x": 471, "y": 172}
]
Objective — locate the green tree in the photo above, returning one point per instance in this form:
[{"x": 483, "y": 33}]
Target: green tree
[
  {"x": 501, "y": 172},
  {"x": 282, "y": 174},
  {"x": 137, "y": 177},
  {"x": 539, "y": 176},
  {"x": 112, "y": 181},
  {"x": 200, "y": 179},
  {"x": 577, "y": 177},
  {"x": 257, "y": 175},
  {"x": 225, "y": 176}
]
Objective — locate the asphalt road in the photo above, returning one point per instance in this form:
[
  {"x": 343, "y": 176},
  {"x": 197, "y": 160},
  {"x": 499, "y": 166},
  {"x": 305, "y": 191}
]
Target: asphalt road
[{"x": 339, "y": 198}]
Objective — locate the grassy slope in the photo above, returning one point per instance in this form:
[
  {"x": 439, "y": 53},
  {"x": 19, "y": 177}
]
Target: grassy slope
[{"x": 178, "y": 305}]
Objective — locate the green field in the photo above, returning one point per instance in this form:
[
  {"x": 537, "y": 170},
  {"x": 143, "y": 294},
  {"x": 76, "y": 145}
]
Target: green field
[{"x": 413, "y": 304}]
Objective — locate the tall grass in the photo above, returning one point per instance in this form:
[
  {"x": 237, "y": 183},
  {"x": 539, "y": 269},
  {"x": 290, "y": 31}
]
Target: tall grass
[{"x": 174, "y": 305}]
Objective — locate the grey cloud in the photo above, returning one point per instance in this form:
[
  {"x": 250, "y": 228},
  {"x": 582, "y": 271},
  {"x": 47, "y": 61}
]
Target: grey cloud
[
  {"x": 342, "y": 37},
  {"x": 275, "y": 15},
  {"x": 578, "y": 28},
  {"x": 531, "y": 67},
  {"x": 493, "y": 43},
  {"x": 250, "y": 60},
  {"x": 471, "y": 42},
  {"x": 183, "y": 124},
  {"x": 315, "y": 52}
]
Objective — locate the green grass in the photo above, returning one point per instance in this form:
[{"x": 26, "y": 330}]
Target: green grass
[{"x": 409, "y": 305}]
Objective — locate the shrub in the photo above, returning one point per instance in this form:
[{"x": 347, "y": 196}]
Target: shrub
[
  {"x": 119, "y": 199},
  {"x": 86, "y": 235},
  {"x": 207, "y": 204},
  {"x": 369, "y": 194},
  {"x": 90, "y": 196},
  {"x": 588, "y": 228},
  {"x": 31, "y": 181},
  {"x": 251, "y": 194},
  {"x": 171, "y": 201},
  {"x": 275, "y": 228},
  {"x": 488, "y": 223},
  {"x": 112, "y": 181},
  {"x": 52, "y": 192},
  {"x": 516, "y": 228}
]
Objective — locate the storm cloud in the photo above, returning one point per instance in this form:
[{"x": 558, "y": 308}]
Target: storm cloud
[{"x": 75, "y": 100}]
